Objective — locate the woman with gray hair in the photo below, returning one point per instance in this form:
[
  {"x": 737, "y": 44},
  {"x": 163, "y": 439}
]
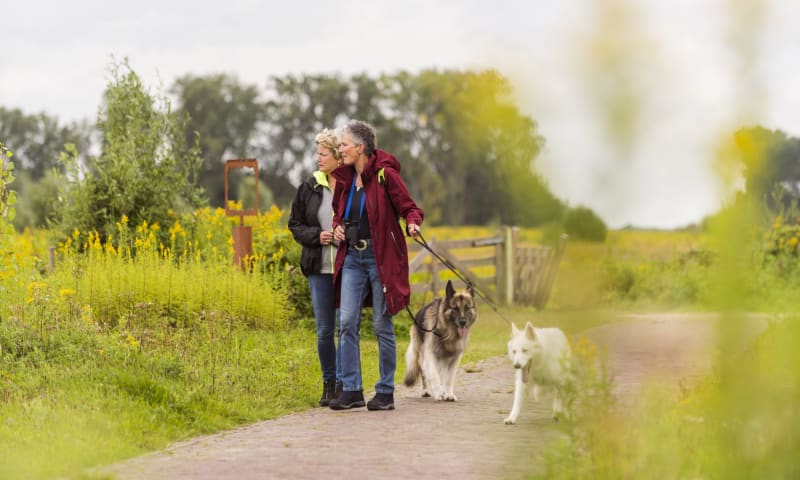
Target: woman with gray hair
[
  {"x": 371, "y": 267},
  {"x": 310, "y": 224}
]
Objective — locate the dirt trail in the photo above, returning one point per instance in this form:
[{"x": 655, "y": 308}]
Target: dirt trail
[{"x": 423, "y": 439}]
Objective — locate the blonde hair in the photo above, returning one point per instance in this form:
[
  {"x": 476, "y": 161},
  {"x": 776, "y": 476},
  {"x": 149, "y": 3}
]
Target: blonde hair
[{"x": 328, "y": 139}]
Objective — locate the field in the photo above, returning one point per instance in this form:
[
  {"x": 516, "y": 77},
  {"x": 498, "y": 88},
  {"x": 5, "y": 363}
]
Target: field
[{"x": 126, "y": 346}]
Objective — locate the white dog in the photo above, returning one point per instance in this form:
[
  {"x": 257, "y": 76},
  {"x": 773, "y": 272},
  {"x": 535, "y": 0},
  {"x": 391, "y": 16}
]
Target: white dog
[{"x": 541, "y": 358}]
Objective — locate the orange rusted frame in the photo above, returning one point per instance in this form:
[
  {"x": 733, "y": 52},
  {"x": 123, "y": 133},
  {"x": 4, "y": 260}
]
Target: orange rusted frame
[{"x": 241, "y": 163}]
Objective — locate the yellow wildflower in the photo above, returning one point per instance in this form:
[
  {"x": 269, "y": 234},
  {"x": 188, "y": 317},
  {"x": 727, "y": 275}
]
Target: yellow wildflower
[{"x": 131, "y": 341}]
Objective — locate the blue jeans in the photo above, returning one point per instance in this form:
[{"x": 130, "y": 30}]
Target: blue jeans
[
  {"x": 360, "y": 277},
  {"x": 321, "y": 286}
]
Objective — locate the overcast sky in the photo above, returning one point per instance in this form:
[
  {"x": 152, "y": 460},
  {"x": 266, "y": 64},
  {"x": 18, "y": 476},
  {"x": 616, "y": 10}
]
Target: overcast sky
[{"x": 688, "y": 82}]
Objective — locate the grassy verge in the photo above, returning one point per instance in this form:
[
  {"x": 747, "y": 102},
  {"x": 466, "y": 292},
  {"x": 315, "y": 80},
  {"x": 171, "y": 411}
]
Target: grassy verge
[{"x": 77, "y": 399}]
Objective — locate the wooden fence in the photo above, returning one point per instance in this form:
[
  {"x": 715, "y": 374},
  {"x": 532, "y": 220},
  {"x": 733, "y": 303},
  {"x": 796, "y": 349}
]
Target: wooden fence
[{"x": 503, "y": 270}]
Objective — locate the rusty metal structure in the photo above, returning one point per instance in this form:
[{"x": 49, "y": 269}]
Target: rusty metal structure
[{"x": 242, "y": 235}]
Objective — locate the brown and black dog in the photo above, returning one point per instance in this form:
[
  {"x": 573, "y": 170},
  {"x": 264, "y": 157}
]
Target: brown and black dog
[{"x": 435, "y": 350}]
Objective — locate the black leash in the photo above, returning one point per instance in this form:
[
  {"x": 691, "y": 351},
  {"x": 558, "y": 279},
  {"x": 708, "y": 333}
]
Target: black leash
[
  {"x": 422, "y": 327},
  {"x": 424, "y": 244}
]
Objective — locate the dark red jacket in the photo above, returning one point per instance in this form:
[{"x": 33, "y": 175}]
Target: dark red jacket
[{"x": 387, "y": 201}]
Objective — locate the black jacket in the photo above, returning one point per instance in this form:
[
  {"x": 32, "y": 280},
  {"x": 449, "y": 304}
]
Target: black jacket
[{"x": 304, "y": 224}]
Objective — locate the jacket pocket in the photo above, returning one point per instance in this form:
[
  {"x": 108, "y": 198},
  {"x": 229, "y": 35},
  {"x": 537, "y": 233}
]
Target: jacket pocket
[{"x": 401, "y": 254}]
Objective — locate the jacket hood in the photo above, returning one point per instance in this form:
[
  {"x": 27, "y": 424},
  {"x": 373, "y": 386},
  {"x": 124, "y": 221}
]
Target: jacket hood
[{"x": 385, "y": 159}]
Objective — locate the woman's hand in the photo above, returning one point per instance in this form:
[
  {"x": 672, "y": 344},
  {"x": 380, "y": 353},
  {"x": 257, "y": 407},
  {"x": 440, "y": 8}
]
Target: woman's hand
[
  {"x": 338, "y": 233},
  {"x": 325, "y": 237},
  {"x": 413, "y": 229}
]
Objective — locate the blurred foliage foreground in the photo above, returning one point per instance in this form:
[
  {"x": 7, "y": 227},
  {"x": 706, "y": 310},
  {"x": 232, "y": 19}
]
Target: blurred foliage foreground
[{"x": 741, "y": 420}]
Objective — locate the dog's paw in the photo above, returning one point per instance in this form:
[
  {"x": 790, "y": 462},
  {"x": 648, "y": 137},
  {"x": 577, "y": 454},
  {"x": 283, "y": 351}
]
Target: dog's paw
[
  {"x": 509, "y": 421},
  {"x": 451, "y": 397},
  {"x": 425, "y": 394}
]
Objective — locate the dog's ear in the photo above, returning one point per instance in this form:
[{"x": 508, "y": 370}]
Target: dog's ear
[
  {"x": 470, "y": 290},
  {"x": 449, "y": 291},
  {"x": 514, "y": 329},
  {"x": 529, "y": 331}
]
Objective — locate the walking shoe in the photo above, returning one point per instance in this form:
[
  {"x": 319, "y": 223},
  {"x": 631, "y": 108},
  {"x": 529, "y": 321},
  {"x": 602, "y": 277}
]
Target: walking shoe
[
  {"x": 347, "y": 400},
  {"x": 338, "y": 390},
  {"x": 328, "y": 388},
  {"x": 381, "y": 401}
]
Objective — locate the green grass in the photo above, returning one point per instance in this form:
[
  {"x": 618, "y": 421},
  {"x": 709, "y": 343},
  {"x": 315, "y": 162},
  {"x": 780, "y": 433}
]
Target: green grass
[
  {"x": 76, "y": 402},
  {"x": 108, "y": 358}
]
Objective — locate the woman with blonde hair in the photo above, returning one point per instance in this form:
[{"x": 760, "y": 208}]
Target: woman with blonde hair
[{"x": 310, "y": 224}]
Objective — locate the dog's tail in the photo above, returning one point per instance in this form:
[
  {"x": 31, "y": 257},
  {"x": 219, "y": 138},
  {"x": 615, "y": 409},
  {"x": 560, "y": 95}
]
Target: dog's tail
[{"x": 413, "y": 371}]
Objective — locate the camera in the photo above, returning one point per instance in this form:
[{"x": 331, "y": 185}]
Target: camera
[{"x": 351, "y": 232}]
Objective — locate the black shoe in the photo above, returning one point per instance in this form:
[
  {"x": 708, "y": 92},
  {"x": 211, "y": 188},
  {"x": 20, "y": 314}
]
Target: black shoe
[
  {"x": 347, "y": 400},
  {"x": 337, "y": 390},
  {"x": 381, "y": 401},
  {"x": 328, "y": 388}
]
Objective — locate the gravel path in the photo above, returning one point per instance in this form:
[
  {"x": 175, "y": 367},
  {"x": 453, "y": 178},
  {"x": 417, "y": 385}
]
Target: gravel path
[{"x": 424, "y": 439}]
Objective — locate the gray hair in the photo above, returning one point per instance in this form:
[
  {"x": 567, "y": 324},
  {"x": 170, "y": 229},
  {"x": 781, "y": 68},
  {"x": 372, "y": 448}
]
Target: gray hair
[{"x": 362, "y": 133}]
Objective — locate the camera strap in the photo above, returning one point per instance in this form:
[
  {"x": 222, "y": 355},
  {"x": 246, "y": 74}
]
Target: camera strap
[{"x": 350, "y": 201}]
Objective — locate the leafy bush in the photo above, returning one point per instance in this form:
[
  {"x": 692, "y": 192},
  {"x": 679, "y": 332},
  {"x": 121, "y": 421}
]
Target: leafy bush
[
  {"x": 674, "y": 282},
  {"x": 780, "y": 243},
  {"x": 7, "y": 201},
  {"x": 7, "y": 196},
  {"x": 583, "y": 223},
  {"x": 145, "y": 169},
  {"x": 38, "y": 203}
]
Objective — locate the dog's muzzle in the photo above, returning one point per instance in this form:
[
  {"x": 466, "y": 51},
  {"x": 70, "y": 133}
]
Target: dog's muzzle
[{"x": 362, "y": 244}]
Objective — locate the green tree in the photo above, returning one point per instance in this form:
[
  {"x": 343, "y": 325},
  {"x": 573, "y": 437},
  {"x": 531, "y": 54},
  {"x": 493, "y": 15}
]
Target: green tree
[
  {"x": 581, "y": 222},
  {"x": 226, "y": 115},
  {"x": 771, "y": 161},
  {"x": 38, "y": 199},
  {"x": 467, "y": 151},
  {"x": 145, "y": 168},
  {"x": 298, "y": 109},
  {"x": 38, "y": 139},
  {"x": 483, "y": 147}
]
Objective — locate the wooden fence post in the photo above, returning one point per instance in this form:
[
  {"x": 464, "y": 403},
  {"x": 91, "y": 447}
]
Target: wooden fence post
[
  {"x": 500, "y": 264},
  {"x": 511, "y": 259},
  {"x": 505, "y": 265}
]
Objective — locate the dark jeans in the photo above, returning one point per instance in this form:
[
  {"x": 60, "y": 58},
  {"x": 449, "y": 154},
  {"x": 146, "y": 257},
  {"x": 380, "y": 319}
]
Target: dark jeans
[{"x": 325, "y": 314}]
